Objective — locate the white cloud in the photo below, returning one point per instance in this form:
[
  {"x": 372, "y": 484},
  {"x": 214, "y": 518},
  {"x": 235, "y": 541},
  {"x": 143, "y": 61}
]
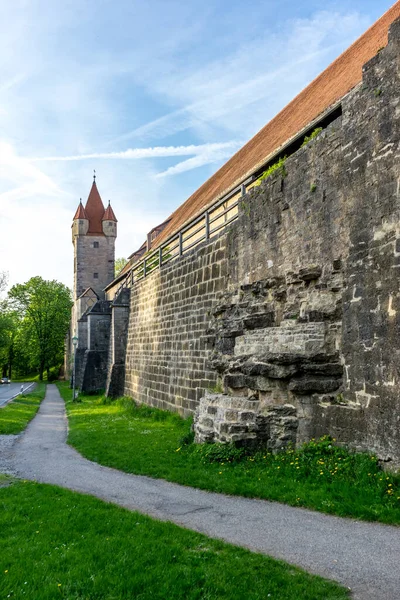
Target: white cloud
[
  {"x": 262, "y": 74},
  {"x": 27, "y": 179},
  {"x": 214, "y": 153},
  {"x": 156, "y": 152}
]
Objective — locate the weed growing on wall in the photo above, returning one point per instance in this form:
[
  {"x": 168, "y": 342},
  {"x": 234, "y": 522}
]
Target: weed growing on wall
[
  {"x": 279, "y": 166},
  {"x": 312, "y": 135}
]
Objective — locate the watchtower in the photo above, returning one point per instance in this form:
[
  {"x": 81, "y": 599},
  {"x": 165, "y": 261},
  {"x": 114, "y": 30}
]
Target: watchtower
[{"x": 94, "y": 230}]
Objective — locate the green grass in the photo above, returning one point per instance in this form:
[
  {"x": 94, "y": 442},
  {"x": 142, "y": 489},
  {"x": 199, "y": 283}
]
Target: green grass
[
  {"x": 15, "y": 416},
  {"x": 59, "y": 544},
  {"x": 150, "y": 442},
  {"x": 32, "y": 377}
]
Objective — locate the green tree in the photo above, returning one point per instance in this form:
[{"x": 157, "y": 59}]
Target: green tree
[
  {"x": 45, "y": 310},
  {"x": 9, "y": 325},
  {"x": 119, "y": 265}
]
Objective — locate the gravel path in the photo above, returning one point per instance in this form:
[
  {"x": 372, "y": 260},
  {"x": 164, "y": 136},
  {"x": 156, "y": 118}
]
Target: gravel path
[{"x": 363, "y": 556}]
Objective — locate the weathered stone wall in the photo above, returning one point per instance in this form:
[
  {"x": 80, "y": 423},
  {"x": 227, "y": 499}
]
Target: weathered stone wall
[
  {"x": 295, "y": 309},
  {"x": 168, "y": 342},
  {"x": 120, "y": 309},
  {"x": 93, "y": 254},
  {"x": 93, "y": 334}
]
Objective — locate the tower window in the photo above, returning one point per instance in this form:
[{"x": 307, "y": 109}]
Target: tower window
[
  {"x": 95, "y": 275},
  {"x": 95, "y": 244}
]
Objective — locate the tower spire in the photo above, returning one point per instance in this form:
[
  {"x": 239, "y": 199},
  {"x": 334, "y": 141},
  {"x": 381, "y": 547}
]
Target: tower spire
[
  {"x": 94, "y": 175},
  {"x": 80, "y": 211},
  {"x": 94, "y": 209}
]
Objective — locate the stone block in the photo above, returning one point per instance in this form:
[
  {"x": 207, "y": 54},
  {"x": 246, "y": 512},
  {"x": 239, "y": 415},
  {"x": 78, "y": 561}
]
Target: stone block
[
  {"x": 310, "y": 272},
  {"x": 310, "y": 385},
  {"x": 247, "y": 416},
  {"x": 205, "y": 422},
  {"x": 235, "y": 381}
]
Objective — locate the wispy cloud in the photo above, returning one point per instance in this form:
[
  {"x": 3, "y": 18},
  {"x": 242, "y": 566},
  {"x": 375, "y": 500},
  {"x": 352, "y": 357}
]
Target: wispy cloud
[
  {"x": 203, "y": 150},
  {"x": 26, "y": 179},
  {"x": 214, "y": 153},
  {"x": 13, "y": 81},
  {"x": 257, "y": 74}
]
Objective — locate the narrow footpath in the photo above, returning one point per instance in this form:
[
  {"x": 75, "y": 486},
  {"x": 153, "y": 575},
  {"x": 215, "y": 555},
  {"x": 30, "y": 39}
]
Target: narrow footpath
[{"x": 362, "y": 556}]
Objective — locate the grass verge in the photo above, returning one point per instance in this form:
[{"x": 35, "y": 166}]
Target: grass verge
[
  {"x": 156, "y": 443},
  {"x": 15, "y": 416},
  {"x": 59, "y": 544},
  {"x": 31, "y": 378}
]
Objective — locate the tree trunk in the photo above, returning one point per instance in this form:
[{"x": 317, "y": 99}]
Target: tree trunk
[
  {"x": 41, "y": 369},
  {"x": 10, "y": 361}
]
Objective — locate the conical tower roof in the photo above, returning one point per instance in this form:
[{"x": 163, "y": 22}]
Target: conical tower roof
[
  {"x": 80, "y": 212},
  {"x": 109, "y": 214},
  {"x": 94, "y": 210}
]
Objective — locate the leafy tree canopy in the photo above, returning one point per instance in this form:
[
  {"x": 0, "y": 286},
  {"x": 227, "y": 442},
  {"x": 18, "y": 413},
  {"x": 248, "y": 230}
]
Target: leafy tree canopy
[
  {"x": 44, "y": 308},
  {"x": 119, "y": 265}
]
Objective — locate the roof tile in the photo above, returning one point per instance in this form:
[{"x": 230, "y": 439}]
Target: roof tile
[
  {"x": 94, "y": 210},
  {"x": 109, "y": 214},
  {"x": 80, "y": 212}
]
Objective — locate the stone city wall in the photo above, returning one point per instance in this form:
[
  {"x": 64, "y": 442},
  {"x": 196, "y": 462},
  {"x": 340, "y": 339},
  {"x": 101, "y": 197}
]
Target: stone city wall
[
  {"x": 293, "y": 313},
  {"x": 168, "y": 342}
]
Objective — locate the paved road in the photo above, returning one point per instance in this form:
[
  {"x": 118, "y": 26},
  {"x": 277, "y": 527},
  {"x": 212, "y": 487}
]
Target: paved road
[
  {"x": 10, "y": 390},
  {"x": 363, "y": 556}
]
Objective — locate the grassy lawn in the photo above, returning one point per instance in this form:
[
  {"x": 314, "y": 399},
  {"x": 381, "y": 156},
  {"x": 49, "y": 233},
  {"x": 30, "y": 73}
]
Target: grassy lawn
[
  {"x": 15, "y": 416},
  {"x": 58, "y": 544},
  {"x": 33, "y": 377},
  {"x": 150, "y": 442}
]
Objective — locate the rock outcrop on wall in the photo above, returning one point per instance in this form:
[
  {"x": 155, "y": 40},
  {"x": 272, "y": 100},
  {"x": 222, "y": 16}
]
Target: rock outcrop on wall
[{"x": 286, "y": 326}]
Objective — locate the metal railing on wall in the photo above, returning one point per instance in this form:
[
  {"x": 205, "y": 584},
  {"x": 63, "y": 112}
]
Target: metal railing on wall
[
  {"x": 221, "y": 214},
  {"x": 200, "y": 229}
]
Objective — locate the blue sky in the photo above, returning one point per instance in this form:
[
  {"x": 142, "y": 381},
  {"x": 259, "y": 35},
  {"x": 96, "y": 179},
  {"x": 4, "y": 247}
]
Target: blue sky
[{"x": 154, "y": 95}]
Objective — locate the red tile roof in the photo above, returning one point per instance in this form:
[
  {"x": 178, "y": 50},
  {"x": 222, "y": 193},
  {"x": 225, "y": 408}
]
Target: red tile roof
[
  {"x": 109, "y": 214},
  {"x": 94, "y": 210},
  {"x": 80, "y": 212},
  {"x": 333, "y": 83}
]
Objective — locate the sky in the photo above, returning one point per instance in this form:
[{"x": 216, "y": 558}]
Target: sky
[{"x": 154, "y": 95}]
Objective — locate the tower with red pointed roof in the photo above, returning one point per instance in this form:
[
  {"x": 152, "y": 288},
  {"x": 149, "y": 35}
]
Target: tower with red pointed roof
[{"x": 94, "y": 229}]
